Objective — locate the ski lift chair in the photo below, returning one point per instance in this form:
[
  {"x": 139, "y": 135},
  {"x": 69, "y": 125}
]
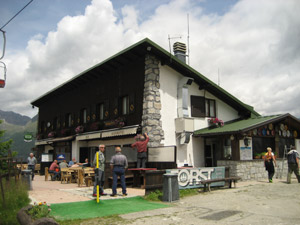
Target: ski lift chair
[{"x": 3, "y": 79}]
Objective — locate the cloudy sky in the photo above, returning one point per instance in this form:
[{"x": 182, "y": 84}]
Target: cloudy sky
[{"x": 250, "y": 47}]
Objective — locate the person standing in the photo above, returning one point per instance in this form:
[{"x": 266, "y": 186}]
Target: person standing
[
  {"x": 293, "y": 164},
  {"x": 269, "y": 159},
  {"x": 118, "y": 165},
  {"x": 141, "y": 146},
  {"x": 31, "y": 161},
  {"x": 99, "y": 172}
]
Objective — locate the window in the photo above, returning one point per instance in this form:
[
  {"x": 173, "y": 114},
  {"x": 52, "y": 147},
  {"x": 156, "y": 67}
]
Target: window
[
  {"x": 83, "y": 115},
  {"x": 68, "y": 120},
  {"x": 101, "y": 111},
  {"x": 55, "y": 123},
  {"x": 197, "y": 106},
  {"x": 210, "y": 108},
  {"x": 202, "y": 107},
  {"x": 227, "y": 149},
  {"x": 125, "y": 105}
]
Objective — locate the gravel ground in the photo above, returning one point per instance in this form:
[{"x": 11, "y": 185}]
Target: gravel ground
[{"x": 257, "y": 202}]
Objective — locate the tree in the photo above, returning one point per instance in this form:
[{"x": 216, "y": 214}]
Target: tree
[{"x": 4, "y": 147}]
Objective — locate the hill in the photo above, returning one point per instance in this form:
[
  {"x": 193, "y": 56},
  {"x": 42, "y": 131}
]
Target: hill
[{"x": 15, "y": 126}]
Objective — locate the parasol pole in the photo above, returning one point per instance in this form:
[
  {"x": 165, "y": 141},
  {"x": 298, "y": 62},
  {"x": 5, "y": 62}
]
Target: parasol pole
[{"x": 97, "y": 166}]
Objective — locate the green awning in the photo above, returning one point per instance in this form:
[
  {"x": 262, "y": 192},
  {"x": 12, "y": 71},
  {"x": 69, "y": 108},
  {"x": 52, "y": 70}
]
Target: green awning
[{"x": 240, "y": 126}]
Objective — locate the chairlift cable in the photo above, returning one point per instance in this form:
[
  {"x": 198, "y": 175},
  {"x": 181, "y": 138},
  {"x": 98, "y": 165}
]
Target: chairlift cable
[{"x": 15, "y": 15}]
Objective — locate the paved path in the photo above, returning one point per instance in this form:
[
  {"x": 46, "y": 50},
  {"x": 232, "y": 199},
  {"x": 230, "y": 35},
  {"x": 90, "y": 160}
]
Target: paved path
[{"x": 56, "y": 192}]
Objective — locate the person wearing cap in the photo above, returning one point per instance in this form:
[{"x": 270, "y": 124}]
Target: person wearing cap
[
  {"x": 293, "y": 164},
  {"x": 99, "y": 172},
  {"x": 118, "y": 165},
  {"x": 141, "y": 146},
  {"x": 31, "y": 161}
]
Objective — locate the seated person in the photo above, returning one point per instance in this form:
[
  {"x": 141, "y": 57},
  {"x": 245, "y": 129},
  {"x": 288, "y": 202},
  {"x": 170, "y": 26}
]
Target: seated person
[
  {"x": 54, "y": 168},
  {"x": 86, "y": 163},
  {"x": 63, "y": 164},
  {"x": 71, "y": 163}
]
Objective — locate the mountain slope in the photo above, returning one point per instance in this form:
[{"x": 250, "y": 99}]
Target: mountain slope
[{"x": 15, "y": 130}]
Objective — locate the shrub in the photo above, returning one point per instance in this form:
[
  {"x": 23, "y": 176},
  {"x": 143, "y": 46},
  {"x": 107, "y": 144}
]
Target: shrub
[
  {"x": 39, "y": 210},
  {"x": 16, "y": 197},
  {"x": 154, "y": 196}
]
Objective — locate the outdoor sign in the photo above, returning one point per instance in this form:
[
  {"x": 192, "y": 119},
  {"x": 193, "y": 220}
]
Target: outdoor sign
[
  {"x": 47, "y": 157},
  {"x": 246, "y": 149},
  {"x": 192, "y": 177},
  {"x": 61, "y": 157},
  {"x": 28, "y": 137},
  {"x": 161, "y": 154}
]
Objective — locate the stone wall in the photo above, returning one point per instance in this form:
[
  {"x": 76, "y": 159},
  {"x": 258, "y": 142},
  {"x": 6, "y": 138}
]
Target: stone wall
[
  {"x": 151, "y": 119},
  {"x": 253, "y": 169}
]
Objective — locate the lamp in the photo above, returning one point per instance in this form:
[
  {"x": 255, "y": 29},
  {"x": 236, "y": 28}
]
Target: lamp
[
  {"x": 231, "y": 137},
  {"x": 246, "y": 141}
]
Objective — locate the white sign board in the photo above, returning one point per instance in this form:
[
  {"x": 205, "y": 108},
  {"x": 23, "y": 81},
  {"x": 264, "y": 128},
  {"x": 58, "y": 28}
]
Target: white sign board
[
  {"x": 246, "y": 151},
  {"x": 47, "y": 157},
  {"x": 161, "y": 154}
]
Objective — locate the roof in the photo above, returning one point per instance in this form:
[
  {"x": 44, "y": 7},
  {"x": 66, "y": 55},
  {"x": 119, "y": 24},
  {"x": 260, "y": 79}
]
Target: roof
[
  {"x": 244, "y": 125},
  {"x": 134, "y": 52}
]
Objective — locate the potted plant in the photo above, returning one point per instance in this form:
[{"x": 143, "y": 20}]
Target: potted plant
[
  {"x": 79, "y": 129},
  {"x": 215, "y": 122},
  {"x": 52, "y": 134}
]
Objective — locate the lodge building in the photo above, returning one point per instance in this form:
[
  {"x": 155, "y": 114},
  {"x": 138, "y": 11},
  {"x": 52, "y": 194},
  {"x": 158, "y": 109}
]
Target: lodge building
[{"x": 191, "y": 121}]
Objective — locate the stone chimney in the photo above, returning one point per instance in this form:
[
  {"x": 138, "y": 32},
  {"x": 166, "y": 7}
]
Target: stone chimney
[{"x": 180, "y": 51}]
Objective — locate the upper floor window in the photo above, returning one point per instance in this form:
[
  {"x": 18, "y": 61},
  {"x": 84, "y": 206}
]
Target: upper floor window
[
  {"x": 83, "y": 115},
  {"x": 210, "y": 107},
  {"x": 125, "y": 105},
  {"x": 101, "y": 111},
  {"x": 69, "y": 120},
  {"x": 201, "y": 107}
]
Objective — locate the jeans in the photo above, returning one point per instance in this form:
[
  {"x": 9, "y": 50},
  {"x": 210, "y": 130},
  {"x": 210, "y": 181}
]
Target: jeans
[
  {"x": 56, "y": 174},
  {"x": 118, "y": 171},
  {"x": 31, "y": 167},
  {"x": 141, "y": 159},
  {"x": 99, "y": 180},
  {"x": 293, "y": 168}
]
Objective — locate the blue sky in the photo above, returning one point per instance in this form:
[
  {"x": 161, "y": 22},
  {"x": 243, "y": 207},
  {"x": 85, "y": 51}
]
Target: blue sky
[{"x": 253, "y": 44}]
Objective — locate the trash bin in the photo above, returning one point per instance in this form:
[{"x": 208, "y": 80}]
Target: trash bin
[
  {"x": 170, "y": 188},
  {"x": 26, "y": 177}
]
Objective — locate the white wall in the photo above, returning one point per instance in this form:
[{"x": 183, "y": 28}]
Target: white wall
[{"x": 193, "y": 152}]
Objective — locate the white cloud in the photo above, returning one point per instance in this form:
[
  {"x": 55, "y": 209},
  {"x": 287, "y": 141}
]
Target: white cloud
[{"x": 255, "y": 46}]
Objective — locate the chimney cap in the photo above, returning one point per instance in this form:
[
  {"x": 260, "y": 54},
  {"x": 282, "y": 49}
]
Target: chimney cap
[{"x": 179, "y": 47}]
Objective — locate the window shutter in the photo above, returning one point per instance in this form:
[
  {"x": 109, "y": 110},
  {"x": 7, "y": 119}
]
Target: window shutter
[{"x": 197, "y": 106}]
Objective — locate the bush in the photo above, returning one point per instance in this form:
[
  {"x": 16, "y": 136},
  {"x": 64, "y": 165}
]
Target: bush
[
  {"x": 39, "y": 210},
  {"x": 154, "y": 196},
  {"x": 16, "y": 197}
]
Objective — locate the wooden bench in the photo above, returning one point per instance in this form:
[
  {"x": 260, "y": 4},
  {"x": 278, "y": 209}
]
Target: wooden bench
[
  {"x": 207, "y": 183},
  {"x": 128, "y": 180}
]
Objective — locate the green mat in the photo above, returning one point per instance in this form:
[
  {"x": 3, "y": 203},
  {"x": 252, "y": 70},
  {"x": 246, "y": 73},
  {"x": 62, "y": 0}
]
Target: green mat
[{"x": 92, "y": 209}]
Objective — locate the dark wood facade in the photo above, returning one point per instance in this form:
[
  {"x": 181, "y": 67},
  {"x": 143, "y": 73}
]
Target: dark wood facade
[{"x": 106, "y": 86}]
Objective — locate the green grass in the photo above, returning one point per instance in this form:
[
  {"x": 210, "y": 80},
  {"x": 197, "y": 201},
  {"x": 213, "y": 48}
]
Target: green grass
[
  {"x": 92, "y": 209},
  {"x": 16, "y": 197},
  {"x": 188, "y": 192}
]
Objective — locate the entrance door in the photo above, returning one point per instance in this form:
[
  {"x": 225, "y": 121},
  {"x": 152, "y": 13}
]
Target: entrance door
[
  {"x": 209, "y": 155},
  {"x": 83, "y": 154}
]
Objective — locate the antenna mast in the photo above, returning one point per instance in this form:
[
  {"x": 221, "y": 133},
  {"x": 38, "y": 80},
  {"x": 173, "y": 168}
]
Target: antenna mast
[{"x": 188, "y": 39}]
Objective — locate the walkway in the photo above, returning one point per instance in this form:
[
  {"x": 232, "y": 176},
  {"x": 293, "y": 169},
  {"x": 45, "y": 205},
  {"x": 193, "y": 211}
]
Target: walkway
[{"x": 56, "y": 192}]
